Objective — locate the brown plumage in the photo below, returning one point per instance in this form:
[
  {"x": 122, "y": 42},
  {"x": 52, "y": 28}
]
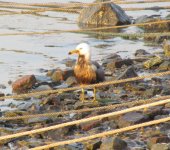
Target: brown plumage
[{"x": 87, "y": 72}]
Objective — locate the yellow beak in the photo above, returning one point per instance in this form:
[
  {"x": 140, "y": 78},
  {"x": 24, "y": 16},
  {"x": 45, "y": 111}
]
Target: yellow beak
[{"x": 73, "y": 52}]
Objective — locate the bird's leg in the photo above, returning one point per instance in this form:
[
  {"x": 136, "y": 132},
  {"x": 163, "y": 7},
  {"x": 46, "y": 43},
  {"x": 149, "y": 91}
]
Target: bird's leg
[
  {"x": 82, "y": 95},
  {"x": 82, "y": 98},
  {"x": 94, "y": 98}
]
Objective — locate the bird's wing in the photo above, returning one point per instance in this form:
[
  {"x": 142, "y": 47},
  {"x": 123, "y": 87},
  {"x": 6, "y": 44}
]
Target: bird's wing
[{"x": 99, "y": 71}]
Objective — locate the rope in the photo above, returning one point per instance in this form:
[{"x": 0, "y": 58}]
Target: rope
[
  {"x": 100, "y": 135},
  {"x": 85, "y": 86},
  {"x": 149, "y": 8},
  {"x": 145, "y": 1},
  {"x": 66, "y": 7},
  {"x": 89, "y": 4},
  {"x": 110, "y": 107},
  {"x": 99, "y": 29},
  {"x": 45, "y": 129}
]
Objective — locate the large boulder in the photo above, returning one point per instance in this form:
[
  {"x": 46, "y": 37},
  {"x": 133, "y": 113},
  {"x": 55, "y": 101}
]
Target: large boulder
[
  {"x": 106, "y": 14},
  {"x": 24, "y": 84}
]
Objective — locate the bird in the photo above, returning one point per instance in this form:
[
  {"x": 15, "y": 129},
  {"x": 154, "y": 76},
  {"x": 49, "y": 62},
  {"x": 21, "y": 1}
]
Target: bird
[{"x": 86, "y": 71}]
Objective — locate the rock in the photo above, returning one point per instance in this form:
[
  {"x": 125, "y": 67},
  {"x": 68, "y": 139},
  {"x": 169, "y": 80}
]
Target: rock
[
  {"x": 135, "y": 144},
  {"x": 162, "y": 146},
  {"x": 167, "y": 105},
  {"x": 38, "y": 120},
  {"x": 152, "y": 91},
  {"x": 165, "y": 66},
  {"x": 157, "y": 60},
  {"x": 165, "y": 91},
  {"x": 90, "y": 125},
  {"x": 9, "y": 82},
  {"x": 50, "y": 73},
  {"x": 153, "y": 111},
  {"x": 157, "y": 139},
  {"x": 131, "y": 119},
  {"x": 142, "y": 19},
  {"x": 113, "y": 143},
  {"x": 52, "y": 100},
  {"x": 24, "y": 84},
  {"x": 141, "y": 52},
  {"x": 110, "y": 58},
  {"x": 167, "y": 17},
  {"x": 161, "y": 116},
  {"x": 2, "y": 94},
  {"x": 165, "y": 127},
  {"x": 71, "y": 81},
  {"x": 92, "y": 145},
  {"x": 118, "y": 64},
  {"x": 160, "y": 39},
  {"x": 103, "y": 15},
  {"x": 42, "y": 88},
  {"x": 57, "y": 76},
  {"x": 61, "y": 75},
  {"x": 59, "y": 133},
  {"x": 128, "y": 73},
  {"x": 42, "y": 79},
  {"x": 154, "y": 27},
  {"x": 2, "y": 86},
  {"x": 80, "y": 105},
  {"x": 166, "y": 47},
  {"x": 25, "y": 106},
  {"x": 69, "y": 62}
]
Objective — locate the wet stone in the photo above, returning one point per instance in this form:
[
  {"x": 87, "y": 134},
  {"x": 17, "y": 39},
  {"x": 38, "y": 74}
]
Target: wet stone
[
  {"x": 38, "y": 120},
  {"x": 165, "y": 66},
  {"x": 92, "y": 145},
  {"x": 112, "y": 57},
  {"x": 162, "y": 146},
  {"x": 142, "y": 19},
  {"x": 2, "y": 86},
  {"x": 161, "y": 39},
  {"x": 42, "y": 88},
  {"x": 131, "y": 119},
  {"x": 113, "y": 143},
  {"x": 2, "y": 94},
  {"x": 153, "y": 111},
  {"x": 157, "y": 139},
  {"x": 80, "y": 105},
  {"x": 60, "y": 133},
  {"x": 128, "y": 73},
  {"x": 141, "y": 52},
  {"x": 90, "y": 125},
  {"x": 165, "y": 91},
  {"x": 69, "y": 62},
  {"x": 118, "y": 64},
  {"x": 24, "y": 84},
  {"x": 61, "y": 75},
  {"x": 71, "y": 81},
  {"x": 155, "y": 61},
  {"x": 155, "y": 27}
]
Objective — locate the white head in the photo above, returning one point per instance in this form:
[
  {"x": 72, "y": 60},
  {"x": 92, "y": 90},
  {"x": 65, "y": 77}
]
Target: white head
[{"x": 82, "y": 49}]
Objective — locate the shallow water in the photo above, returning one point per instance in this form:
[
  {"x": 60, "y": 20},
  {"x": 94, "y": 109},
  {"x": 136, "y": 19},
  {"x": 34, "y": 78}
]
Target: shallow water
[{"x": 21, "y": 55}]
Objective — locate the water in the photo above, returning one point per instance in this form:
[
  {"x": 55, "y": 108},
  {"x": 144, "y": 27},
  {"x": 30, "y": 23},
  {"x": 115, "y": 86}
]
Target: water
[{"x": 22, "y": 55}]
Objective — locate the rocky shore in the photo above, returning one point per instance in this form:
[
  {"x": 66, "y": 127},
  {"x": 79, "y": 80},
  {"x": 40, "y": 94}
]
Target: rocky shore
[
  {"x": 155, "y": 137},
  {"x": 116, "y": 67}
]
